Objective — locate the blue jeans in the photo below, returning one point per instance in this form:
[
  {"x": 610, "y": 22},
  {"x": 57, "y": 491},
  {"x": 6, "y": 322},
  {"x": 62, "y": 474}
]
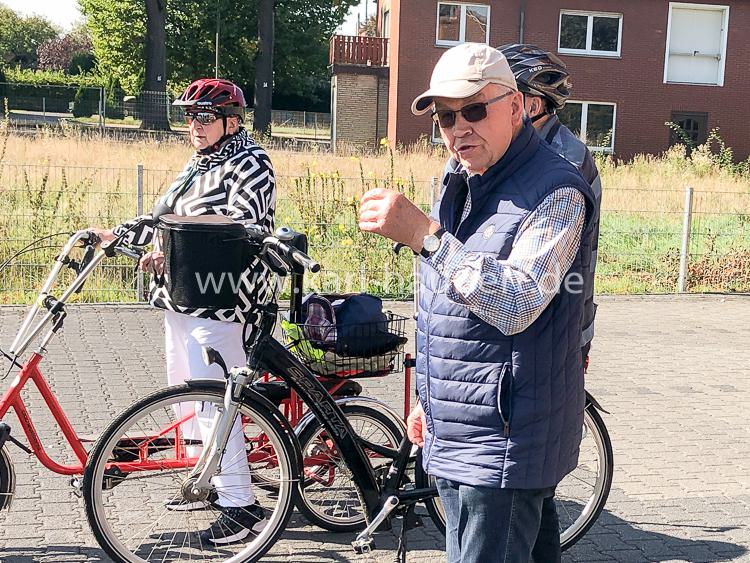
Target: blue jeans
[{"x": 486, "y": 525}]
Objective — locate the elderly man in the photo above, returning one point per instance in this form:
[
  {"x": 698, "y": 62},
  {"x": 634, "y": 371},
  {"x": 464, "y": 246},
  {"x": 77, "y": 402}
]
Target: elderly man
[{"x": 499, "y": 368}]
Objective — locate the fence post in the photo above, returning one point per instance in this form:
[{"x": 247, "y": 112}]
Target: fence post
[
  {"x": 139, "y": 212},
  {"x": 104, "y": 108},
  {"x": 44, "y": 106},
  {"x": 433, "y": 189},
  {"x": 685, "y": 247}
]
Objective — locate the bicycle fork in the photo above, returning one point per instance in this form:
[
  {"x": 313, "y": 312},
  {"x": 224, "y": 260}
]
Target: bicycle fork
[{"x": 198, "y": 484}]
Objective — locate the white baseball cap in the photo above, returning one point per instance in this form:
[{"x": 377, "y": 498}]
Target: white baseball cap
[{"x": 463, "y": 71}]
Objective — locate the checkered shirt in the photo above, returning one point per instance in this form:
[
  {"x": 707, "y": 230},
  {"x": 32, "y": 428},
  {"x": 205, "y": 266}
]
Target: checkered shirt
[{"x": 510, "y": 294}]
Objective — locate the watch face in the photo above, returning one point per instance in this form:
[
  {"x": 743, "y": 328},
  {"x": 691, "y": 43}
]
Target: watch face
[{"x": 431, "y": 243}]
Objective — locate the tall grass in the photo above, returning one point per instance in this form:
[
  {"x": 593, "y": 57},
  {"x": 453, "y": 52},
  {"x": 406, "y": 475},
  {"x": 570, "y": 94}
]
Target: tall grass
[{"x": 52, "y": 183}]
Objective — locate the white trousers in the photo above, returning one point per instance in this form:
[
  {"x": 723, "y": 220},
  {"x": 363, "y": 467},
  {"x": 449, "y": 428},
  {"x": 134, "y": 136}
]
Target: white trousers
[{"x": 185, "y": 338}]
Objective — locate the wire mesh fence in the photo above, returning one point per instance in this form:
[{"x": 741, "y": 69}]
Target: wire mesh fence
[
  {"x": 645, "y": 234},
  {"x": 31, "y": 104}
]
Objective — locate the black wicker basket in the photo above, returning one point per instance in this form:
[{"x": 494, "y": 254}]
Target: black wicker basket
[{"x": 371, "y": 349}]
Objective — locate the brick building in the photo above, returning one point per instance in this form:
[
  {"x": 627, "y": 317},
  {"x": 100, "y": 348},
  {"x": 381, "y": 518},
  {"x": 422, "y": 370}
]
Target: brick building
[{"x": 635, "y": 65}]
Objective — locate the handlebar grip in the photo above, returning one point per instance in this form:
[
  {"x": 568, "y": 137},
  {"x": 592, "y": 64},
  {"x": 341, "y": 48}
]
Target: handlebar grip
[
  {"x": 305, "y": 261},
  {"x": 129, "y": 252}
]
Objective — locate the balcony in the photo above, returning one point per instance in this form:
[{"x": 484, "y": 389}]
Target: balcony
[{"x": 356, "y": 50}]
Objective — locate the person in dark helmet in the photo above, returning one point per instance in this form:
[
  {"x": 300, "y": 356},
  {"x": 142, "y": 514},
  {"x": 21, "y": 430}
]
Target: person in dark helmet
[
  {"x": 546, "y": 85},
  {"x": 229, "y": 175}
]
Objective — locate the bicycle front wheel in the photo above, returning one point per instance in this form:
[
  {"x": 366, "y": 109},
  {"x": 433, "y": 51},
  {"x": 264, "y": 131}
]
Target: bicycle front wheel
[{"x": 137, "y": 482}]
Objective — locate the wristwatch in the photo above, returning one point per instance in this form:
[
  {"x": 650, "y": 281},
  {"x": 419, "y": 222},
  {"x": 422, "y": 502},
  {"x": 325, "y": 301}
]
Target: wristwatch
[{"x": 431, "y": 243}]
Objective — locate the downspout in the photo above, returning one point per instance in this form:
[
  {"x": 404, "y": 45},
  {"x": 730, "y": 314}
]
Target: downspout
[{"x": 522, "y": 21}]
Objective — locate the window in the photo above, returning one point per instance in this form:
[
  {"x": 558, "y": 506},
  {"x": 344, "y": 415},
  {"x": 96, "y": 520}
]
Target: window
[
  {"x": 694, "y": 127},
  {"x": 696, "y": 44},
  {"x": 592, "y": 122},
  {"x": 460, "y": 23},
  {"x": 584, "y": 33},
  {"x": 386, "y": 24},
  {"x": 435, "y": 137}
]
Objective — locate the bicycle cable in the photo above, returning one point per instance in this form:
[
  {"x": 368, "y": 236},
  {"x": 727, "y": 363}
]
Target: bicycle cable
[{"x": 28, "y": 248}]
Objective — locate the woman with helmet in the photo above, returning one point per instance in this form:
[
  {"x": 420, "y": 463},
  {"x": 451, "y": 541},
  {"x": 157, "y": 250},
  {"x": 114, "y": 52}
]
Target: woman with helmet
[{"x": 229, "y": 175}]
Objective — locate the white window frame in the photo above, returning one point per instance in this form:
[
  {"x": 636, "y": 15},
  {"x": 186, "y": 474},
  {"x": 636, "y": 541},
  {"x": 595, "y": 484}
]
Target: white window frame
[
  {"x": 461, "y": 25},
  {"x": 386, "y": 24},
  {"x": 588, "y": 51},
  {"x": 584, "y": 123},
  {"x": 725, "y": 32},
  {"x": 435, "y": 137}
]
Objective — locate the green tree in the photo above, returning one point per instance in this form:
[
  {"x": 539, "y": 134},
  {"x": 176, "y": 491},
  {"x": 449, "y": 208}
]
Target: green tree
[
  {"x": 303, "y": 29},
  {"x": 118, "y": 31},
  {"x": 20, "y": 37}
]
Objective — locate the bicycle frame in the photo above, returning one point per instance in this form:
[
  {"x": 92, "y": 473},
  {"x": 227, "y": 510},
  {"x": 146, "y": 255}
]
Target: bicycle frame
[
  {"x": 12, "y": 399},
  {"x": 30, "y": 329},
  {"x": 278, "y": 361},
  {"x": 55, "y": 313}
]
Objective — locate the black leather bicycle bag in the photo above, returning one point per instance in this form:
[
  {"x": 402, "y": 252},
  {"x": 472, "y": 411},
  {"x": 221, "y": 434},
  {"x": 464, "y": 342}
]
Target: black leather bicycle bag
[{"x": 204, "y": 260}]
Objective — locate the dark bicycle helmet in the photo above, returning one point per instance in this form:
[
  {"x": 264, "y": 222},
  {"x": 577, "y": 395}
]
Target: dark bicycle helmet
[
  {"x": 215, "y": 94},
  {"x": 538, "y": 72}
]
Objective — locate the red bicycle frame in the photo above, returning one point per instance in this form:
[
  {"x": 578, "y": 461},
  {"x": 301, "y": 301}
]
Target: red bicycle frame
[{"x": 12, "y": 399}]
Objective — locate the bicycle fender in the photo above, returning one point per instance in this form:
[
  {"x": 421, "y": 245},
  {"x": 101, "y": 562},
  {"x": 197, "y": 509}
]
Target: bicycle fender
[
  {"x": 309, "y": 417},
  {"x": 594, "y": 403}
]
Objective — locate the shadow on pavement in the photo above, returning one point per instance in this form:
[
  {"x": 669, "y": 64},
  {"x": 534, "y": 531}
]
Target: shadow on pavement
[{"x": 622, "y": 540}]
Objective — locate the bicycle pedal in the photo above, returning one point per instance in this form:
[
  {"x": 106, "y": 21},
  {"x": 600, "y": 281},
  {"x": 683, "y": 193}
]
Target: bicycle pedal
[{"x": 363, "y": 546}]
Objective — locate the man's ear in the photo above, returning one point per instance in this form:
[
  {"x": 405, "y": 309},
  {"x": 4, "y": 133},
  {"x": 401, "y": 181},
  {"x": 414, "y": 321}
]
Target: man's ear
[{"x": 517, "y": 108}]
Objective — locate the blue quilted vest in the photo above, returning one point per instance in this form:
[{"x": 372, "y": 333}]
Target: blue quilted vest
[{"x": 503, "y": 411}]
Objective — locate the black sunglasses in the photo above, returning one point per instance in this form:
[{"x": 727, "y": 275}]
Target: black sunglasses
[
  {"x": 472, "y": 113},
  {"x": 202, "y": 117}
]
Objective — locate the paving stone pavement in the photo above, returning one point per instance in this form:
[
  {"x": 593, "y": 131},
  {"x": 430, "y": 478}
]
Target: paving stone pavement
[{"x": 673, "y": 372}]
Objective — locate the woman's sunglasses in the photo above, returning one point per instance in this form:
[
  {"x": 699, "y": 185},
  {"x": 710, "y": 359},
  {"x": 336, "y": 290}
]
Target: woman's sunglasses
[
  {"x": 472, "y": 113},
  {"x": 202, "y": 117}
]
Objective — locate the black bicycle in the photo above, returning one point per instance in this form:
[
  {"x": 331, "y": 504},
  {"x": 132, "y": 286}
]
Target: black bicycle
[{"x": 151, "y": 456}]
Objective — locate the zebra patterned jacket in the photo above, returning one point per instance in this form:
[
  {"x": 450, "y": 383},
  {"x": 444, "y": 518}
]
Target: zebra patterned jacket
[{"x": 236, "y": 181}]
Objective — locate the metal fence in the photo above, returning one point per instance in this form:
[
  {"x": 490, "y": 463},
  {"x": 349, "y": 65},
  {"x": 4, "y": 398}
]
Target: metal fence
[
  {"x": 651, "y": 241},
  {"x": 51, "y": 105}
]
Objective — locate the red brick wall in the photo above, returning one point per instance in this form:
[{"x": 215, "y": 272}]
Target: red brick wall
[
  {"x": 634, "y": 82},
  {"x": 414, "y": 54}
]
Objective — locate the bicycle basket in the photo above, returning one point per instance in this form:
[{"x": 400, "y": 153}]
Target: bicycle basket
[{"x": 379, "y": 347}]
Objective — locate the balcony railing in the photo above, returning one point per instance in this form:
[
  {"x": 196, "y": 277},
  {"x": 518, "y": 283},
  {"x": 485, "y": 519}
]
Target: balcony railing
[{"x": 356, "y": 50}]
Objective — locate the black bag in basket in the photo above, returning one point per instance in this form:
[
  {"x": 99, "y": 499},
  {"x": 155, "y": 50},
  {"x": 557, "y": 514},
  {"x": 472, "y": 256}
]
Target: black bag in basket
[
  {"x": 362, "y": 327},
  {"x": 204, "y": 260}
]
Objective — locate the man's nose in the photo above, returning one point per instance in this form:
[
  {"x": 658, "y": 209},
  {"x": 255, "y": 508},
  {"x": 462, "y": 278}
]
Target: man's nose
[{"x": 461, "y": 127}]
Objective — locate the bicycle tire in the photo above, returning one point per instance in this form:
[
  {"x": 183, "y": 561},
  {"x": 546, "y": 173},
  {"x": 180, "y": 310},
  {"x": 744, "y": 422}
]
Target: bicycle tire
[
  {"x": 433, "y": 505},
  {"x": 593, "y": 426},
  {"x": 145, "y": 429},
  {"x": 329, "y": 497},
  {"x": 600, "y": 482},
  {"x": 7, "y": 479}
]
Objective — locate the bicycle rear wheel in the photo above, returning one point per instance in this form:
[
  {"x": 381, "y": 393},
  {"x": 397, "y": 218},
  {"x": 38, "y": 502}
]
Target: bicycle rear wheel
[
  {"x": 329, "y": 498},
  {"x": 579, "y": 498},
  {"x": 140, "y": 468},
  {"x": 7, "y": 479}
]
